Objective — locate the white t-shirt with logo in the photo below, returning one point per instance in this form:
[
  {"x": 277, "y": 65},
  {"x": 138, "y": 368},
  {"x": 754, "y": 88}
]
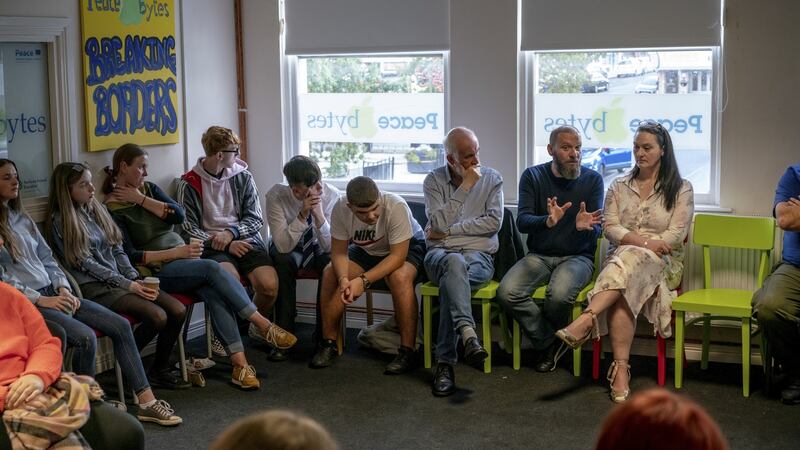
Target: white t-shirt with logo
[{"x": 395, "y": 225}]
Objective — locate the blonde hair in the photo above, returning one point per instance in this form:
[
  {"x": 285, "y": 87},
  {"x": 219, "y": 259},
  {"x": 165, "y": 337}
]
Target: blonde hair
[
  {"x": 6, "y": 232},
  {"x": 276, "y": 429},
  {"x": 74, "y": 232},
  {"x": 217, "y": 138}
]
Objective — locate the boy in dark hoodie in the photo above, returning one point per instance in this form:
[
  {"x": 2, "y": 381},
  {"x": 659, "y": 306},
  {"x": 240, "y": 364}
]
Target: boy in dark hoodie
[{"x": 222, "y": 209}]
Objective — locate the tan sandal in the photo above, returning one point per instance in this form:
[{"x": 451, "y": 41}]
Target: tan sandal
[
  {"x": 572, "y": 341},
  {"x": 617, "y": 396}
]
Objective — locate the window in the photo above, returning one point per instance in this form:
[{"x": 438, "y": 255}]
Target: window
[
  {"x": 25, "y": 114},
  {"x": 379, "y": 116},
  {"x": 35, "y": 103},
  {"x": 605, "y": 94}
]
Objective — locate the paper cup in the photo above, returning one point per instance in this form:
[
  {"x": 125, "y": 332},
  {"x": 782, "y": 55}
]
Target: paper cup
[{"x": 152, "y": 283}]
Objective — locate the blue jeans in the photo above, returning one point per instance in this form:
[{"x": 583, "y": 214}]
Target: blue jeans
[
  {"x": 457, "y": 274},
  {"x": 80, "y": 335},
  {"x": 223, "y": 295},
  {"x": 565, "y": 276}
]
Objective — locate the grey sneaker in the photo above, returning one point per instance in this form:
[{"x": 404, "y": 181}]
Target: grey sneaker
[{"x": 159, "y": 412}]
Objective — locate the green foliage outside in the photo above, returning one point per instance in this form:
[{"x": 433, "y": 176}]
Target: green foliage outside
[
  {"x": 339, "y": 156},
  {"x": 564, "y": 73},
  {"x": 423, "y": 153}
]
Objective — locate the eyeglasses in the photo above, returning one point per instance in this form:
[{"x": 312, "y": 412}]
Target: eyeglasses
[{"x": 235, "y": 150}]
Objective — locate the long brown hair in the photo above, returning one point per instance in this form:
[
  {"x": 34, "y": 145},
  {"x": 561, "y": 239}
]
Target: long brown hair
[
  {"x": 74, "y": 231},
  {"x": 668, "y": 180},
  {"x": 6, "y": 232},
  {"x": 125, "y": 153}
]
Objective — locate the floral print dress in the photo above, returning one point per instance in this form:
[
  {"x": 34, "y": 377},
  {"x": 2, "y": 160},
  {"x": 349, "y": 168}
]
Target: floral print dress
[{"x": 645, "y": 279}]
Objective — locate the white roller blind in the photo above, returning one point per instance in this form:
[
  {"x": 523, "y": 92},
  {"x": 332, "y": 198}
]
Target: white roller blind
[
  {"x": 366, "y": 26},
  {"x": 600, "y": 24}
]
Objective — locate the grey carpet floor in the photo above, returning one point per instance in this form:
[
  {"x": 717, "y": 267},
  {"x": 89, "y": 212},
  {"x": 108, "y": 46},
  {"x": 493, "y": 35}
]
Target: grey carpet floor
[{"x": 505, "y": 409}]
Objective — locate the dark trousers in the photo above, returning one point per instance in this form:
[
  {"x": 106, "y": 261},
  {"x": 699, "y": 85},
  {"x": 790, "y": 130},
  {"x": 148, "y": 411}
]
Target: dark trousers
[
  {"x": 107, "y": 427},
  {"x": 777, "y": 307},
  {"x": 287, "y": 265}
]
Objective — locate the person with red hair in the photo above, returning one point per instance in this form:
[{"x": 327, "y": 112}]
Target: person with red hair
[{"x": 658, "y": 419}]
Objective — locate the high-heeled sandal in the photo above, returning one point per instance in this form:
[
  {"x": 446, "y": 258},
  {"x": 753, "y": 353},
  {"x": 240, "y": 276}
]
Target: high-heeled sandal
[
  {"x": 572, "y": 341},
  {"x": 617, "y": 396}
]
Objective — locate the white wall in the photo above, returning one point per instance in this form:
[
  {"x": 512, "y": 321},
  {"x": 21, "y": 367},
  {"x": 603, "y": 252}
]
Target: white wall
[
  {"x": 759, "y": 137},
  {"x": 760, "y": 133},
  {"x": 209, "y": 87}
]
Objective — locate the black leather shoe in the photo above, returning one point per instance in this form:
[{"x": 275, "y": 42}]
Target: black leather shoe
[
  {"x": 405, "y": 361},
  {"x": 474, "y": 353},
  {"x": 278, "y": 355},
  {"x": 444, "y": 381},
  {"x": 325, "y": 355},
  {"x": 791, "y": 395},
  {"x": 546, "y": 362},
  {"x": 168, "y": 379}
]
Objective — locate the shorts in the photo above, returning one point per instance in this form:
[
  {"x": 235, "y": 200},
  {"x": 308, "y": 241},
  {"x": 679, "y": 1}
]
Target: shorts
[
  {"x": 415, "y": 256},
  {"x": 251, "y": 260}
]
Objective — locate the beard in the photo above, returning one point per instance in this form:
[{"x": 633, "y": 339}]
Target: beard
[{"x": 565, "y": 171}]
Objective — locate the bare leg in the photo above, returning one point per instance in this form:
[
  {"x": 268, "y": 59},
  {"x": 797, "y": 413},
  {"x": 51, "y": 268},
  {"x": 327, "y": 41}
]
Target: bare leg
[
  {"x": 264, "y": 280},
  {"x": 331, "y": 305},
  {"x": 600, "y": 302},
  {"x": 238, "y": 359},
  {"x": 401, "y": 285},
  {"x": 621, "y": 327}
]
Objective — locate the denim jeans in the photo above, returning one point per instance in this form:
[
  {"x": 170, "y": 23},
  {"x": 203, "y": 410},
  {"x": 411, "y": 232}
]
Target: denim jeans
[
  {"x": 565, "y": 276},
  {"x": 223, "y": 295},
  {"x": 80, "y": 335},
  {"x": 457, "y": 274}
]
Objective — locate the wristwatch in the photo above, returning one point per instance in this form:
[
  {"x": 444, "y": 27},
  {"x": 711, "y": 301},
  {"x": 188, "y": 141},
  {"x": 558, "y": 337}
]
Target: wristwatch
[{"x": 365, "y": 280}]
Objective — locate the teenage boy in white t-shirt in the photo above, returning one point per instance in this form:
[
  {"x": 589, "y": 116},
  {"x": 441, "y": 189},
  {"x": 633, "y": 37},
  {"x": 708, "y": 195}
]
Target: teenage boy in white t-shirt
[{"x": 373, "y": 237}]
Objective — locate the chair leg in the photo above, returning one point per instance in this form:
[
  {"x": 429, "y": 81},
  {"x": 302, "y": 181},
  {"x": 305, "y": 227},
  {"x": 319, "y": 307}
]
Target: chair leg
[
  {"x": 426, "y": 330},
  {"x": 369, "y": 307},
  {"x": 516, "y": 345},
  {"x": 661, "y": 343},
  {"x": 120, "y": 386},
  {"x": 576, "y": 353},
  {"x": 597, "y": 351},
  {"x": 486, "y": 309},
  {"x": 706, "y": 343},
  {"x": 679, "y": 321},
  {"x": 342, "y": 331},
  {"x": 746, "y": 356},
  {"x": 766, "y": 362},
  {"x": 182, "y": 356},
  {"x": 209, "y": 330}
]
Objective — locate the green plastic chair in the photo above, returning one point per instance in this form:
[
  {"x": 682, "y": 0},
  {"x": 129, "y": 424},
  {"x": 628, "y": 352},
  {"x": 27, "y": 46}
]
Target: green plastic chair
[
  {"x": 577, "y": 309},
  {"x": 482, "y": 297},
  {"x": 753, "y": 233}
]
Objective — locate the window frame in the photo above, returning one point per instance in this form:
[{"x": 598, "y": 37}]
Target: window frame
[
  {"x": 529, "y": 81},
  {"x": 51, "y": 31},
  {"x": 291, "y": 135}
]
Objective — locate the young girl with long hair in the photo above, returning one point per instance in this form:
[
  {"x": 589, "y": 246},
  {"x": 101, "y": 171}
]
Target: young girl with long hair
[
  {"x": 84, "y": 235},
  {"x": 146, "y": 217},
  {"x": 27, "y": 264}
]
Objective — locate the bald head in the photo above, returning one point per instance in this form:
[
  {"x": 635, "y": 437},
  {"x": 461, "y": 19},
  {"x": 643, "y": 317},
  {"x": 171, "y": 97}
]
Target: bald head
[{"x": 458, "y": 138}]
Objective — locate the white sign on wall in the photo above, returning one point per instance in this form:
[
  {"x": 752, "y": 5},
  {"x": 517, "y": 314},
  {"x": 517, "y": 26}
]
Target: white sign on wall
[
  {"x": 609, "y": 120},
  {"x": 389, "y": 118}
]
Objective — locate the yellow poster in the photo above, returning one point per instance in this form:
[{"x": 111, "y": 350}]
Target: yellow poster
[{"x": 130, "y": 74}]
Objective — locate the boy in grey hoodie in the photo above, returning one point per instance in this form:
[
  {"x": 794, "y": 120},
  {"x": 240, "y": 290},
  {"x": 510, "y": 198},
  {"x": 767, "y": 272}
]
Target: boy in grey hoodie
[{"x": 222, "y": 209}]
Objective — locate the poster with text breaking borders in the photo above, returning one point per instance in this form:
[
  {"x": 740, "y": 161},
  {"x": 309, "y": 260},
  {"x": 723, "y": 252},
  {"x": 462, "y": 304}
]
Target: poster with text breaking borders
[{"x": 129, "y": 72}]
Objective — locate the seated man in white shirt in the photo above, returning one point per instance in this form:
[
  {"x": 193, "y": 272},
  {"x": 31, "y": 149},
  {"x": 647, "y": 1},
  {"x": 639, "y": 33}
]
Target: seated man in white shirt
[
  {"x": 385, "y": 242},
  {"x": 299, "y": 216}
]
